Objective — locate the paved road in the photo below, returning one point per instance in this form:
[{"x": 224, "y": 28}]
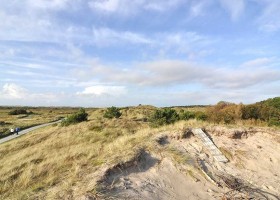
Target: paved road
[{"x": 5, "y": 139}]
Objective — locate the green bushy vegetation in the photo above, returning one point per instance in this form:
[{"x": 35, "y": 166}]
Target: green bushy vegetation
[
  {"x": 112, "y": 112},
  {"x": 272, "y": 102},
  {"x": 274, "y": 121},
  {"x": 186, "y": 115},
  {"x": 20, "y": 111},
  {"x": 201, "y": 116},
  {"x": 163, "y": 116},
  {"x": 167, "y": 116},
  {"x": 75, "y": 118}
]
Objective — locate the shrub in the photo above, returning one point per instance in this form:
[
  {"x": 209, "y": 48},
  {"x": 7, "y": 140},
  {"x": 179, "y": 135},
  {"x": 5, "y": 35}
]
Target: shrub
[
  {"x": 112, "y": 112},
  {"x": 78, "y": 117},
  {"x": 201, "y": 116},
  {"x": 228, "y": 118},
  {"x": 19, "y": 111},
  {"x": 250, "y": 112},
  {"x": 186, "y": 115},
  {"x": 223, "y": 112},
  {"x": 163, "y": 117},
  {"x": 274, "y": 122}
]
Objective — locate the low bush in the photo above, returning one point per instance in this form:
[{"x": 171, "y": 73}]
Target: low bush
[
  {"x": 78, "y": 117},
  {"x": 275, "y": 121},
  {"x": 201, "y": 116},
  {"x": 112, "y": 112},
  {"x": 19, "y": 111},
  {"x": 186, "y": 115},
  {"x": 163, "y": 116}
]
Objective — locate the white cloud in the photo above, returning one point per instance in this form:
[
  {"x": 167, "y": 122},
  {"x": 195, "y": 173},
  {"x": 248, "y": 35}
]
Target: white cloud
[
  {"x": 108, "y": 5},
  {"x": 177, "y": 72},
  {"x": 101, "y": 90},
  {"x": 13, "y": 91},
  {"x": 198, "y": 7},
  {"x": 35, "y": 66},
  {"x": 190, "y": 43},
  {"x": 234, "y": 7},
  {"x": 48, "y": 4},
  {"x": 258, "y": 62},
  {"x": 127, "y": 7},
  {"x": 106, "y": 36},
  {"x": 158, "y": 5},
  {"x": 269, "y": 19}
]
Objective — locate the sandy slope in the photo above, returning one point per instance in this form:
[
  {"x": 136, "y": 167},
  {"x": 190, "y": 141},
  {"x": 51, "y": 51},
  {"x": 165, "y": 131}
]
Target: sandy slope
[
  {"x": 154, "y": 180},
  {"x": 254, "y": 161},
  {"x": 255, "y": 158}
]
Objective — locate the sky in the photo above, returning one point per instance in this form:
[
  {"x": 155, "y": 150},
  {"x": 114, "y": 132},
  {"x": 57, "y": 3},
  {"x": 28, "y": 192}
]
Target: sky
[{"x": 97, "y": 53}]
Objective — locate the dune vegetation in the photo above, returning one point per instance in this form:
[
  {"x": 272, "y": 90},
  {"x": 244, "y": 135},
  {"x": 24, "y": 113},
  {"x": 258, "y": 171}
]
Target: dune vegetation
[
  {"x": 67, "y": 162},
  {"x": 51, "y": 162}
]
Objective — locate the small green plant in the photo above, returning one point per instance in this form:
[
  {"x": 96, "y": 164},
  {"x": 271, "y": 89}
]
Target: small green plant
[
  {"x": 112, "y": 112},
  {"x": 163, "y": 116},
  {"x": 78, "y": 117}
]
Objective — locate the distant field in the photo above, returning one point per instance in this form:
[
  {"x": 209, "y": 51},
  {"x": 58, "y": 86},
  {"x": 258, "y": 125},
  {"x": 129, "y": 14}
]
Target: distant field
[{"x": 39, "y": 115}]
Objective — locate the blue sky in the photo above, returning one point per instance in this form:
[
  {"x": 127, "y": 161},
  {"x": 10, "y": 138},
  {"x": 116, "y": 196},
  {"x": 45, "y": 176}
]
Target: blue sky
[{"x": 122, "y": 52}]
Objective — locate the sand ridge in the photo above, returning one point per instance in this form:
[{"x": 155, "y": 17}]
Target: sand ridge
[{"x": 252, "y": 170}]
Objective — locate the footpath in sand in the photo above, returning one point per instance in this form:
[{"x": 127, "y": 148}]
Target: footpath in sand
[{"x": 252, "y": 170}]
